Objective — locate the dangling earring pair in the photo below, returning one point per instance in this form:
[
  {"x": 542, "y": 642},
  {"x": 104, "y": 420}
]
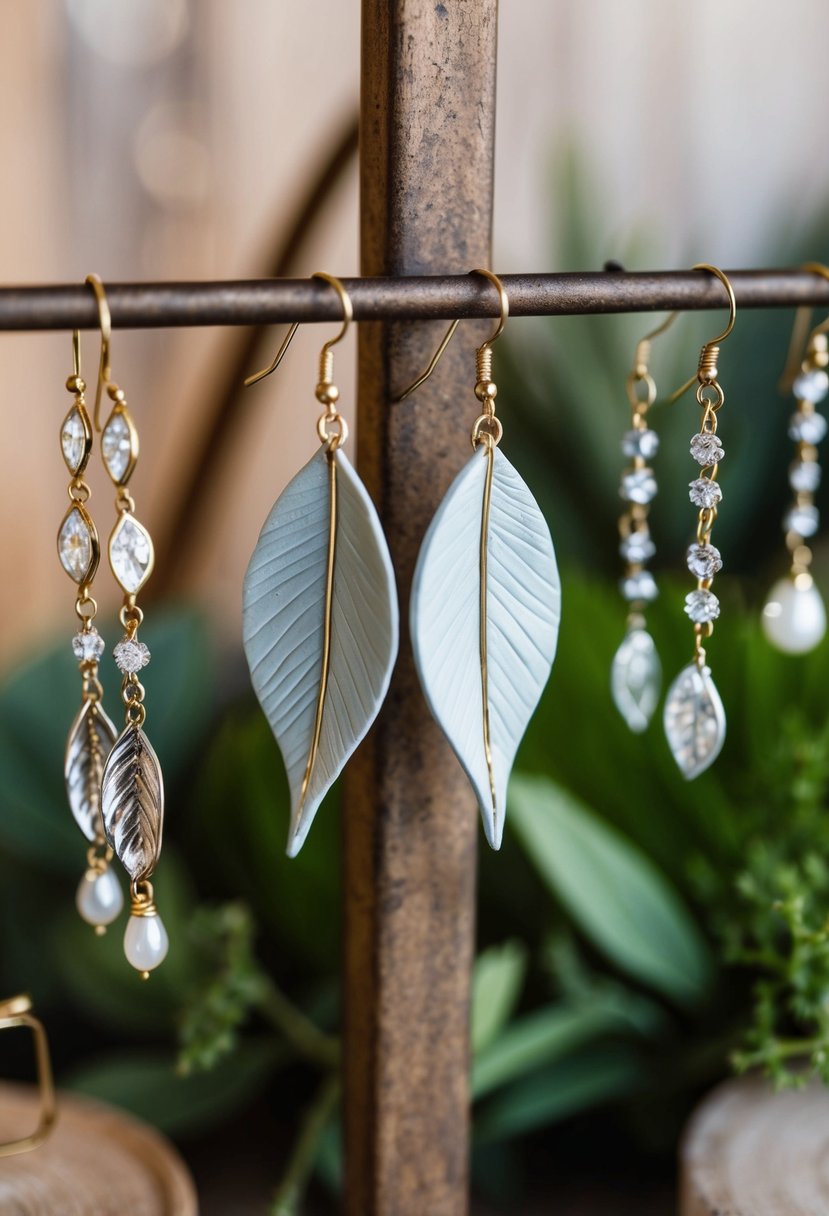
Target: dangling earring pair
[
  {"x": 694, "y": 718},
  {"x": 320, "y": 615},
  {"x": 114, "y": 785},
  {"x": 794, "y": 616}
]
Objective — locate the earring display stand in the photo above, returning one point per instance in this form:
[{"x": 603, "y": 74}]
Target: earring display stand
[{"x": 410, "y": 831}]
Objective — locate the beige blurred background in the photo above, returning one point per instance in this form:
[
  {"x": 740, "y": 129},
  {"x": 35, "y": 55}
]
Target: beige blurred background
[{"x": 164, "y": 139}]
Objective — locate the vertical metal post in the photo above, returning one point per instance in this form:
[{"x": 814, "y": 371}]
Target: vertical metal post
[{"x": 426, "y": 147}]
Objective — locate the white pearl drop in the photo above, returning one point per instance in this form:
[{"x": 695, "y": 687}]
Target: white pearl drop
[
  {"x": 99, "y": 898},
  {"x": 145, "y": 942},
  {"x": 794, "y": 617}
]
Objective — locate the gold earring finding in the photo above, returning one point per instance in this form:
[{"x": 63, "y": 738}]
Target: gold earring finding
[
  {"x": 484, "y": 350},
  {"x": 707, "y": 369}
]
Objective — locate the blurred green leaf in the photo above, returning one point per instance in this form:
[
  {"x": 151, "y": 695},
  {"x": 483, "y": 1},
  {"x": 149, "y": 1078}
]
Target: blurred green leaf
[
  {"x": 611, "y": 889},
  {"x": 575, "y": 1083},
  {"x": 554, "y": 1031},
  {"x": 496, "y": 985},
  {"x": 239, "y": 831},
  {"x": 146, "y": 1084}
]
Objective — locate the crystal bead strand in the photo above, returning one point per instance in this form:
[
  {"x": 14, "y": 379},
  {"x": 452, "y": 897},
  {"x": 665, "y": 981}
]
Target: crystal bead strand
[
  {"x": 794, "y": 616},
  {"x": 636, "y": 673},
  {"x": 694, "y": 717},
  {"x": 99, "y": 899}
]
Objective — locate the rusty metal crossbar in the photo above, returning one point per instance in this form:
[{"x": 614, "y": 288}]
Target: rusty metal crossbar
[{"x": 402, "y": 298}]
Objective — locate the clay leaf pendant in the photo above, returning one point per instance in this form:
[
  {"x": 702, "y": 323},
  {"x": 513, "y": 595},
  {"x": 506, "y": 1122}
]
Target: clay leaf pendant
[
  {"x": 320, "y": 626},
  {"x": 485, "y": 610}
]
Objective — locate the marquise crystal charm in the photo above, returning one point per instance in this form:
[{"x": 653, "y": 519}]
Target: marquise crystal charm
[
  {"x": 119, "y": 445},
  {"x": 131, "y": 553},
  {"x": 76, "y": 440},
  {"x": 78, "y": 545},
  {"x": 694, "y": 720}
]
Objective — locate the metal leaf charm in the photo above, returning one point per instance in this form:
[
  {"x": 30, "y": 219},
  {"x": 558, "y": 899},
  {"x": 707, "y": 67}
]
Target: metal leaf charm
[
  {"x": 90, "y": 741},
  {"x": 485, "y": 612},
  {"x": 133, "y": 803},
  {"x": 635, "y": 678},
  {"x": 694, "y": 720},
  {"x": 320, "y": 626}
]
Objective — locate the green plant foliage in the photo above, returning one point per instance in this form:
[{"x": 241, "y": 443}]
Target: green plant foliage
[
  {"x": 584, "y": 1077},
  {"x": 295, "y": 901},
  {"x": 611, "y": 890},
  {"x": 496, "y": 986},
  {"x": 148, "y": 1084}
]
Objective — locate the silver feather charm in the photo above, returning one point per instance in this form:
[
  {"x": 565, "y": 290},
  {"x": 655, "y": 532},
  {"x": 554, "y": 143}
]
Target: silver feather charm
[
  {"x": 91, "y": 739},
  {"x": 133, "y": 803}
]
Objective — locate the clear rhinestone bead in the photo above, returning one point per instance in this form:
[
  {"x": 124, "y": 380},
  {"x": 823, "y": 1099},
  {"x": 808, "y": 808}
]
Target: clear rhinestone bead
[
  {"x": 805, "y": 520},
  {"x": 639, "y": 486},
  {"x": 804, "y": 476},
  {"x": 811, "y": 386},
  {"x": 640, "y": 443},
  {"x": 706, "y": 449},
  {"x": 807, "y": 428},
  {"x": 88, "y": 645},
  {"x": 637, "y": 548},
  {"x": 75, "y": 546},
  {"x": 704, "y": 493},
  {"x": 130, "y": 553},
  {"x": 702, "y": 606},
  {"x": 704, "y": 561},
  {"x": 117, "y": 446},
  {"x": 75, "y": 441},
  {"x": 131, "y": 655},
  {"x": 639, "y": 586}
]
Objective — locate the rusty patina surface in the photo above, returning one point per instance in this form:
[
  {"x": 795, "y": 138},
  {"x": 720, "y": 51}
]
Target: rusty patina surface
[{"x": 410, "y": 817}]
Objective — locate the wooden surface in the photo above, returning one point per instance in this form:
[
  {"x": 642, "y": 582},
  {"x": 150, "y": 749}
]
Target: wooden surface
[
  {"x": 426, "y": 142},
  {"x": 96, "y": 1162},
  {"x": 751, "y": 1152}
]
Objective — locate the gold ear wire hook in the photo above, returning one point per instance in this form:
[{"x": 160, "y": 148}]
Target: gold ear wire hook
[
  {"x": 105, "y": 324},
  {"x": 76, "y": 353},
  {"x": 707, "y": 368},
  {"x": 799, "y": 341},
  {"x": 639, "y": 373},
  {"x": 277, "y": 359},
  {"x": 485, "y": 347},
  {"x": 348, "y": 316}
]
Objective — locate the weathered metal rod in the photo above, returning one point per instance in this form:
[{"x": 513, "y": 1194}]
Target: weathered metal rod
[{"x": 400, "y": 298}]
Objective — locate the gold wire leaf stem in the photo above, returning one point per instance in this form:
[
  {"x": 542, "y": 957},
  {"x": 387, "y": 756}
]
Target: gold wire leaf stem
[
  {"x": 326, "y": 627},
  {"x": 485, "y": 512}
]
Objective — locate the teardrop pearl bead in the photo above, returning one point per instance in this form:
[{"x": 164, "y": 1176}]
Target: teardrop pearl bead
[
  {"x": 794, "y": 617},
  {"x": 145, "y": 942},
  {"x": 99, "y": 898}
]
